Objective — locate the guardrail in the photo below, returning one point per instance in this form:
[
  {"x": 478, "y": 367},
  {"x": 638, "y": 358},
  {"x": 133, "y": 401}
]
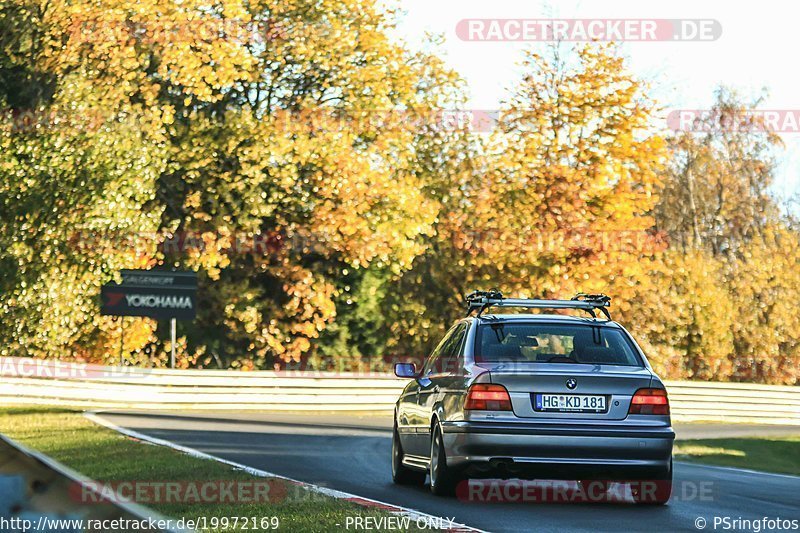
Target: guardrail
[
  {"x": 26, "y": 381},
  {"x": 38, "y": 493}
]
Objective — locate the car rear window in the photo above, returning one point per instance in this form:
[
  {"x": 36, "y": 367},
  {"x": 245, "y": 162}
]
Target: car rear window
[{"x": 554, "y": 343}]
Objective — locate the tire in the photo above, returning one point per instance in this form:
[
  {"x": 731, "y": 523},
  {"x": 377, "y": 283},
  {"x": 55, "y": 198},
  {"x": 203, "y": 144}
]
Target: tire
[
  {"x": 443, "y": 479},
  {"x": 660, "y": 493},
  {"x": 401, "y": 474}
]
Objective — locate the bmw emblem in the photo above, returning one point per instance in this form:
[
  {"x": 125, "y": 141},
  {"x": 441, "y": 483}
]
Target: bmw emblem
[{"x": 572, "y": 383}]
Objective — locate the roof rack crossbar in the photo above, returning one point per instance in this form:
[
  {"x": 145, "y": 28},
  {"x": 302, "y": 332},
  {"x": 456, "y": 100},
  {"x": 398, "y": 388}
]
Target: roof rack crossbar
[{"x": 482, "y": 300}]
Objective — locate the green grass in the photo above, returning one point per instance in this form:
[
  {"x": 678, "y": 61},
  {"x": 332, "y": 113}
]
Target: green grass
[
  {"x": 774, "y": 454},
  {"x": 106, "y": 456}
]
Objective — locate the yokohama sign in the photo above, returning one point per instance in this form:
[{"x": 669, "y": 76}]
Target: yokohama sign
[
  {"x": 153, "y": 293},
  {"x": 163, "y": 302}
]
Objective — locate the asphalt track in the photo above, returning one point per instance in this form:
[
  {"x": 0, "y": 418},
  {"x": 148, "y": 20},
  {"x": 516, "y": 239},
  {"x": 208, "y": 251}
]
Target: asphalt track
[{"x": 351, "y": 454}]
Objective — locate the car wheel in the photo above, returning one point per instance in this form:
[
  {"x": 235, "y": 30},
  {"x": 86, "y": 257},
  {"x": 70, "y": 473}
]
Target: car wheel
[
  {"x": 656, "y": 491},
  {"x": 401, "y": 474},
  {"x": 443, "y": 479}
]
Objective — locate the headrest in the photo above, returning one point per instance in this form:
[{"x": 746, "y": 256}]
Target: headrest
[
  {"x": 598, "y": 354},
  {"x": 502, "y": 352}
]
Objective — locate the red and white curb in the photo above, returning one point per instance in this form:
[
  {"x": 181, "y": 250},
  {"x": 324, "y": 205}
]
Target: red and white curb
[{"x": 413, "y": 515}]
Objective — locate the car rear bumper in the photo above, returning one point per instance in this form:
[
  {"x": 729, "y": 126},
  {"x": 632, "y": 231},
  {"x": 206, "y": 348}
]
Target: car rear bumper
[{"x": 558, "y": 451}]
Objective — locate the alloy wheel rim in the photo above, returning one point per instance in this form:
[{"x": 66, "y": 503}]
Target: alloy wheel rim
[
  {"x": 434, "y": 459},
  {"x": 395, "y": 454}
]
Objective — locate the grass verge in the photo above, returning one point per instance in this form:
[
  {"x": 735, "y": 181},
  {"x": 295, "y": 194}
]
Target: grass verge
[
  {"x": 770, "y": 454},
  {"x": 108, "y": 457}
]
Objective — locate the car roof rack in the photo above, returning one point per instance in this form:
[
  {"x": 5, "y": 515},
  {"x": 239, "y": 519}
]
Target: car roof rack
[{"x": 482, "y": 300}]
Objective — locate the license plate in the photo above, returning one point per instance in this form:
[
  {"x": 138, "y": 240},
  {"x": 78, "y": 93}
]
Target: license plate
[{"x": 569, "y": 403}]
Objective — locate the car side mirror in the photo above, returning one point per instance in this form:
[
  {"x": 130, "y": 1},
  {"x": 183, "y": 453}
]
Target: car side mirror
[{"x": 405, "y": 370}]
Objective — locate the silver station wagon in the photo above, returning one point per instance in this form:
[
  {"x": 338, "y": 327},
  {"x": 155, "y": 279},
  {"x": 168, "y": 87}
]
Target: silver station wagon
[{"x": 534, "y": 396}]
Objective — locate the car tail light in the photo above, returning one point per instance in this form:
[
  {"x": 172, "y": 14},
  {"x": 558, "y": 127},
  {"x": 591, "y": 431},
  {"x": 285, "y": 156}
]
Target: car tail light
[
  {"x": 485, "y": 397},
  {"x": 649, "y": 402}
]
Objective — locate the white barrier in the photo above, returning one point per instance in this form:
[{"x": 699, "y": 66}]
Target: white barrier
[
  {"x": 42, "y": 491},
  {"x": 734, "y": 402},
  {"x": 26, "y": 381}
]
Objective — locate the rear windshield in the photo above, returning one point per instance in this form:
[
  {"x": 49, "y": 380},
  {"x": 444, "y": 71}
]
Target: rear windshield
[{"x": 554, "y": 343}]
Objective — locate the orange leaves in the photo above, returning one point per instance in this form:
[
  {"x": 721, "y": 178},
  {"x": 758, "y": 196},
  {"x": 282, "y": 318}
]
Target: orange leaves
[
  {"x": 195, "y": 46},
  {"x": 685, "y": 316},
  {"x": 571, "y": 161},
  {"x": 231, "y": 120},
  {"x": 340, "y": 183},
  {"x": 765, "y": 278},
  {"x": 735, "y": 259}
]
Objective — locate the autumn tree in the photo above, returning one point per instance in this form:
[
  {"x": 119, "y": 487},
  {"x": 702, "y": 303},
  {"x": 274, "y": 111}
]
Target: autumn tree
[
  {"x": 684, "y": 320},
  {"x": 556, "y": 202},
  {"x": 718, "y": 189},
  {"x": 726, "y": 285},
  {"x": 227, "y": 122},
  {"x": 303, "y": 163},
  {"x": 764, "y": 284},
  {"x": 77, "y": 162}
]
